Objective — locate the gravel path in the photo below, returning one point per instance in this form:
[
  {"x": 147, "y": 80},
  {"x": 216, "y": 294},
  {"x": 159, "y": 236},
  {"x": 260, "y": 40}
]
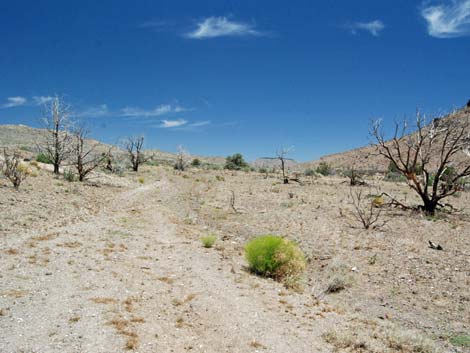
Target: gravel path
[{"x": 126, "y": 279}]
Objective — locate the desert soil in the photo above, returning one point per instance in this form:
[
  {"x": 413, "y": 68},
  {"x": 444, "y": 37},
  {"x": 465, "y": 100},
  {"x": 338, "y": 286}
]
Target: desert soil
[{"x": 116, "y": 264}]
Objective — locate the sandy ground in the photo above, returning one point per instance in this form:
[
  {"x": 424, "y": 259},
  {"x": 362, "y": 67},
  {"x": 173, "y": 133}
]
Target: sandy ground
[{"x": 116, "y": 265}]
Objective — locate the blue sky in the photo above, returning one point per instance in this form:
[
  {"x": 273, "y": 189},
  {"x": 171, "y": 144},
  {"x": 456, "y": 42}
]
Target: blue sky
[{"x": 220, "y": 77}]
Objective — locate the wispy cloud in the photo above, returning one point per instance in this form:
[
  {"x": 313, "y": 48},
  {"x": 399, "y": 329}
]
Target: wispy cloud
[
  {"x": 158, "y": 111},
  {"x": 373, "y": 27},
  {"x": 213, "y": 27},
  {"x": 15, "y": 102},
  {"x": 94, "y": 112},
  {"x": 200, "y": 123},
  {"x": 448, "y": 20},
  {"x": 172, "y": 123},
  {"x": 41, "y": 100}
]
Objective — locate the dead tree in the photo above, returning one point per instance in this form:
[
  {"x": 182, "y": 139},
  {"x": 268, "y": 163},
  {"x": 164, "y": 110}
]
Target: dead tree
[
  {"x": 57, "y": 140},
  {"x": 281, "y": 155},
  {"x": 134, "y": 146},
  {"x": 366, "y": 211},
  {"x": 84, "y": 156},
  {"x": 13, "y": 169},
  {"x": 427, "y": 155},
  {"x": 182, "y": 157}
]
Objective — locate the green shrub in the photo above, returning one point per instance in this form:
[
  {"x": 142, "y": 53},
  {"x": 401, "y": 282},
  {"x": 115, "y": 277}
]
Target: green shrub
[
  {"x": 324, "y": 169},
  {"x": 196, "y": 162},
  {"x": 43, "y": 158},
  {"x": 69, "y": 175},
  {"x": 276, "y": 257},
  {"x": 309, "y": 172},
  {"x": 151, "y": 162},
  {"x": 141, "y": 180},
  {"x": 26, "y": 148},
  {"x": 235, "y": 162},
  {"x": 208, "y": 241},
  {"x": 460, "y": 340}
]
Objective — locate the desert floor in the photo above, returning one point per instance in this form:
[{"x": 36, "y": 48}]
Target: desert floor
[{"x": 116, "y": 264}]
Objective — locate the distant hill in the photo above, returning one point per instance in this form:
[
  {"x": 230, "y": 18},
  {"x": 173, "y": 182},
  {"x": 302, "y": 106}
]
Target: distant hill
[
  {"x": 273, "y": 162},
  {"x": 28, "y": 139},
  {"x": 367, "y": 158}
]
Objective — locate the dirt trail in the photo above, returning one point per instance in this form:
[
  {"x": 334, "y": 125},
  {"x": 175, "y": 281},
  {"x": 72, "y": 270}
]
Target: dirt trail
[{"x": 126, "y": 279}]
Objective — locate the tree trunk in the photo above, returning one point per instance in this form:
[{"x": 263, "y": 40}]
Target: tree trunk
[
  {"x": 56, "y": 168},
  {"x": 429, "y": 207}
]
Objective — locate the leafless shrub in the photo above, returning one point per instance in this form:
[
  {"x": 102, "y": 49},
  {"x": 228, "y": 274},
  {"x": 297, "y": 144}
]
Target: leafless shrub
[
  {"x": 13, "y": 169},
  {"x": 134, "y": 147},
  {"x": 84, "y": 156},
  {"x": 426, "y": 156},
  {"x": 355, "y": 177},
  {"x": 57, "y": 122},
  {"x": 182, "y": 158},
  {"x": 367, "y": 210},
  {"x": 282, "y": 156}
]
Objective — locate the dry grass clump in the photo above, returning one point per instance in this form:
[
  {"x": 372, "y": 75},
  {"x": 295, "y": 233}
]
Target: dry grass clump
[
  {"x": 409, "y": 342},
  {"x": 346, "y": 340},
  {"x": 45, "y": 237},
  {"x": 103, "y": 300},
  {"x": 257, "y": 345},
  {"x": 276, "y": 257},
  {"x": 365, "y": 336},
  {"x": 15, "y": 293},
  {"x": 338, "y": 278}
]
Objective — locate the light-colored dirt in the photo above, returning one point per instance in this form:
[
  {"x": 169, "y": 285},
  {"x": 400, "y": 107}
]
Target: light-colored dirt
[
  {"x": 124, "y": 277},
  {"x": 117, "y": 265}
]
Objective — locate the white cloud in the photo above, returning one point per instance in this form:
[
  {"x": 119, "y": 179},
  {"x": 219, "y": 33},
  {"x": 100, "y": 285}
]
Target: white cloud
[
  {"x": 173, "y": 123},
  {"x": 448, "y": 20},
  {"x": 158, "y": 111},
  {"x": 200, "y": 123},
  {"x": 40, "y": 100},
  {"x": 94, "y": 112},
  {"x": 212, "y": 27},
  {"x": 15, "y": 102},
  {"x": 374, "y": 27}
]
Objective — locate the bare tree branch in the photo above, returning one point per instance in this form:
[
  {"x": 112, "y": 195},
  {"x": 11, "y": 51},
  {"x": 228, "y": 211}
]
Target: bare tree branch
[
  {"x": 427, "y": 155},
  {"x": 84, "y": 156},
  {"x": 57, "y": 123}
]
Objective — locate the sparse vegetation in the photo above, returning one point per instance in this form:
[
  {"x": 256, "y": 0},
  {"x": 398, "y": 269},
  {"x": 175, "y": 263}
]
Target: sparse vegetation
[
  {"x": 69, "y": 175},
  {"x": 13, "y": 169},
  {"x": 324, "y": 169},
  {"x": 461, "y": 340},
  {"x": 208, "y": 241},
  {"x": 235, "y": 162},
  {"x": 196, "y": 162},
  {"x": 309, "y": 172},
  {"x": 43, "y": 158},
  {"x": 367, "y": 210}
]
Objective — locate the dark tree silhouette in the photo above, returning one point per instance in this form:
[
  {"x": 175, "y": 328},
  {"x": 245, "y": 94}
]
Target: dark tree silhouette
[{"x": 426, "y": 156}]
